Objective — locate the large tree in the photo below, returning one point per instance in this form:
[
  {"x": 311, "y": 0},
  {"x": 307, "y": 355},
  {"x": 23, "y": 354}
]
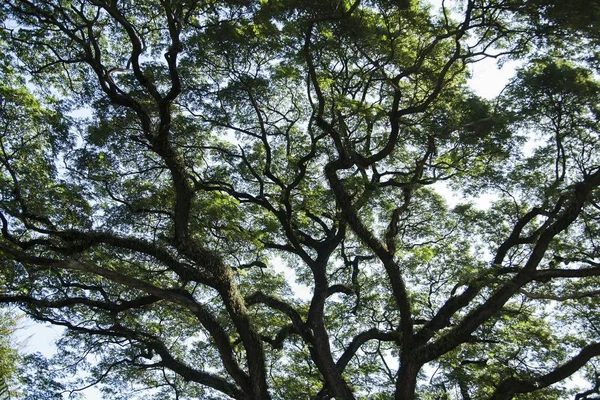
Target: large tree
[{"x": 249, "y": 199}]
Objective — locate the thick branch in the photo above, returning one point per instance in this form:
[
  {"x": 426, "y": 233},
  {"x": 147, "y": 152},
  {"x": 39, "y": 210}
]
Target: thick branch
[
  {"x": 507, "y": 389},
  {"x": 496, "y": 301},
  {"x": 217, "y": 332}
]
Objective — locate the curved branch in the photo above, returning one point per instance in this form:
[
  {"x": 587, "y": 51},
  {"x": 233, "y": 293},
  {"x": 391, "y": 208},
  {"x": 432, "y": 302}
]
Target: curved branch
[
  {"x": 261, "y": 298},
  {"x": 362, "y": 338},
  {"x": 496, "y": 301},
  {"x": 179, "y": 297},
  {"x": 355, "y": 344},
  {"x": 191, "y": 374},
  {"x": 71, "y": 301},
  {"x": 508, "y": 388}
]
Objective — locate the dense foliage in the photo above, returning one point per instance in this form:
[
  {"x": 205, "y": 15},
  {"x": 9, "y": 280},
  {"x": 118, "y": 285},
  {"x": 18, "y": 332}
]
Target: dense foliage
[
  {"x": 9, "y": 356},
  {"x": 278, "y": 199}
]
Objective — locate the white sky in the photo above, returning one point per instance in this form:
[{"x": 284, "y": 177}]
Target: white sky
[{"x": 488, "y": 79}]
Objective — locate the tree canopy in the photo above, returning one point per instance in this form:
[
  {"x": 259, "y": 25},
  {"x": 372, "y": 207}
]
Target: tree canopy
[{"x": 278, "y": 199}]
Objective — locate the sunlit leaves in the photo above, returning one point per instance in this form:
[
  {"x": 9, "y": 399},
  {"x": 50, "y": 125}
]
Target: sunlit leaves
[{"x": 556, "y": 100}]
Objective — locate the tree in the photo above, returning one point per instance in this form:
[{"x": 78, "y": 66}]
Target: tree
[
  {"x": 8, "y": 353},
  {"x": 246, "y": 200}
]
